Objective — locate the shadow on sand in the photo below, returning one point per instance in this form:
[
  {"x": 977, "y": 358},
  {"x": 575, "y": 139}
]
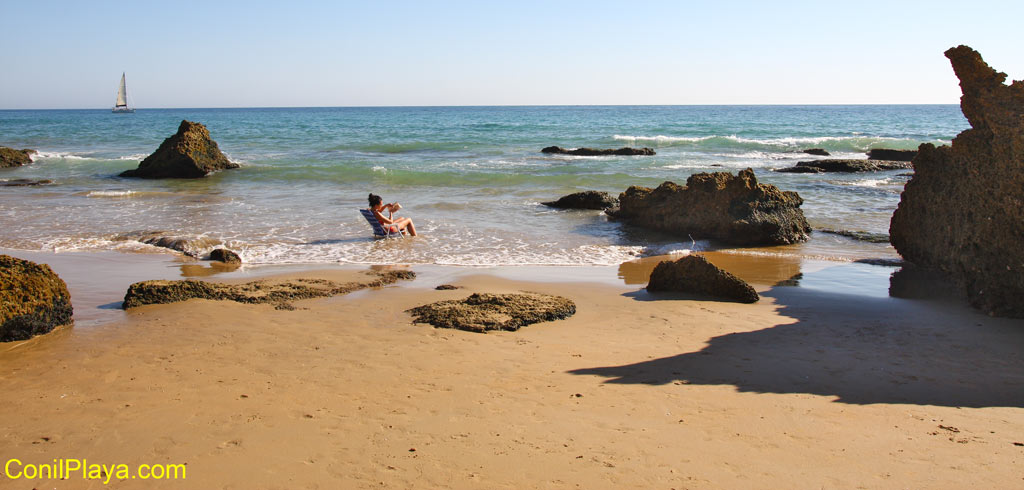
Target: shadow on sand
[{"x": 859, "y": 349}]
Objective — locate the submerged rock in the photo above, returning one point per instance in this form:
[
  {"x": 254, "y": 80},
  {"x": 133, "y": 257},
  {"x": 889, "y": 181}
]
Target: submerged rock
[
  {"x": 25, "y": 182},
  {"x": 695, "y": 275},
  {"x": 191, "y": 246},
  {"x": 225, "y": 255},
  {"x": 481, "y": 312},
  {"x": 279, "y": 293},
  {"x": 961, "y": 212},
  {"x": 594, "y": 152},
  {"x": 584, "y": 200},
  {"x": 841, "y": 165},
  {"x": 188, "y": 154},
  {"x": 9, "y": 157},
  {"x": 734, "y": 209},
  {"x": 864, "y": 236},
  {"x": 33, "y": 299},
  {"x": 817, "y": 151},
  {"x": 895, "y": 155}
]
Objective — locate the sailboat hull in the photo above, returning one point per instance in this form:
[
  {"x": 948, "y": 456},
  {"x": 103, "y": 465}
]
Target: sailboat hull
[{"x": 122, "y": 110}]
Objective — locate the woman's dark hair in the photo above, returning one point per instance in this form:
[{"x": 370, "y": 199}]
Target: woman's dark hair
[{"x": 374, "y": 199}]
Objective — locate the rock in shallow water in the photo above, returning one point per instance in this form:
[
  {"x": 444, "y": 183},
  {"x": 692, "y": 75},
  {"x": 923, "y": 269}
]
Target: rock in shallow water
[
  {"x": 961, "y": 212},
  {"x": 33, "y": 299},
  {"x": 849, "y": 166},
  {"x": 695, "y": 275},
  {"x": 187, "y": 154},
  {"x": 895, "y": 155},
  {"x": 595, "y": 152},
  {"x": 9, "y": 157},
  {"x": 481, "y": 312},
  {"x": 731, "y": 208},
  {"x": 225, "y": 255},
  {"x": 584, "y": 200}
]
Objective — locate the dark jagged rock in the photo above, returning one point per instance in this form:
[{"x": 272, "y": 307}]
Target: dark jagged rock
[
  {"x": 734, "y": 209},
  {"x": 25, "y": 182},
  {"x": 817, "y": 151},
  {"x": 864, "y": 236},
  {"x": 894, "y": 155},
  {"x": 33, "y": 299},
  {"x": 9, "y": 157},
  {"x": 191, "y": 246},
  {"x": 961, "y": 212},
  {"x": 225, "y": 255},
  {"x": 839, "y": 165},
  {"x": 481, "y": 312},
  {"x": 594, "y": 152},
  {"x": 278, "y": 293},
  {"x": 584, "y": 200},
  {"x": 447, "y": 287},
  {"x": 188, "y": 154},
  {"x": 693, "y": 274}
]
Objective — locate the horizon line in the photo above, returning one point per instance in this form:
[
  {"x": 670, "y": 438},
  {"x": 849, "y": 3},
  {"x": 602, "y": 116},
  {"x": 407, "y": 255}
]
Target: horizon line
[{"x": 488, "y": 105}]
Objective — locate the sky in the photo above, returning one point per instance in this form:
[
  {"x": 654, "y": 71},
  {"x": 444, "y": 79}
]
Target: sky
[{"x": 383, "y": 53}]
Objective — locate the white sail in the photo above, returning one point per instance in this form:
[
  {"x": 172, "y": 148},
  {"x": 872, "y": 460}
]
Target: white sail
[{"x": 122, "y": 99}]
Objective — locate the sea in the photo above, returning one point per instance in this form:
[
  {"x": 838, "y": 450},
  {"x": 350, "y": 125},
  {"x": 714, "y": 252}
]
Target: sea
[{"x": 472, "y": 179}]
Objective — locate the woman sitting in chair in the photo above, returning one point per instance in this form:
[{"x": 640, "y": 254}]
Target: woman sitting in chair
[{"x": 396, "y": 225}]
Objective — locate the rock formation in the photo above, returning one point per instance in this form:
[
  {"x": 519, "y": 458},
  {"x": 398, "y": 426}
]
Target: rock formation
[
  {"x": 9, "y": 157},
  {"x": 962, "y": 213},
  {"x": 734, "y": 209},
  {"x": 278, "y": 293},
  {"x": 839, "y": 165},
  {"x": 593, "y": 152},
  {"x": 225, "y": 255},
  {"x": 817, "y": 151},
  {"x": 895, "y": 155},
  {"x": 695, "y": 275},
  {"x": 33, "y": 299},
  {"x": 481, "y": 312},
  {"x": 584, "y": 200},
  {"x": 188, "y": 154}
]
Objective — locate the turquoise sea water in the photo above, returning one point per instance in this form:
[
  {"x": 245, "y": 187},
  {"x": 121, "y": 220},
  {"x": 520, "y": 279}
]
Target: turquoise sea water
[{"x": 471, "y": 177}]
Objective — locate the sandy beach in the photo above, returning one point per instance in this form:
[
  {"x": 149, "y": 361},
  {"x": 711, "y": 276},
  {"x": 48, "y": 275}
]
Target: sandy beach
[{"x": 804, "y": 389}]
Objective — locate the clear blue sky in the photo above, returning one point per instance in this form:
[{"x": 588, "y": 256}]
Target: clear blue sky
[{"x": 252, "y": 53}]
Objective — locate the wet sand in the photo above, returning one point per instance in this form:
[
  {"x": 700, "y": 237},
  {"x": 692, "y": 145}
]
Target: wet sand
[{"x": 806, "y": 388}]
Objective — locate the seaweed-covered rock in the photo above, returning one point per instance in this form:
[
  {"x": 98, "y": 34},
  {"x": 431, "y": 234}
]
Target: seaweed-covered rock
[
  {"x": 9, "y": 157},
  {"x": 595, "y": 152},
  {"x": 695, "y": 275},
  {"x": 961, "y": 212},
  {"x": 895, "y": 155},
  {"x": 481, "y": 312},
  {"x": 191, "y": 246},
  {"x": 817, "y": 151},
  {"x": 584, "y": 200},
  {"x": 188, "y": 154},
  {"x": 844, "y": 165},
  {"x": 33, "y": 299},
  {"x": 731, "y": 208},
  {"x": 225, "y": 255},
  {"x": 279, "y": 293}
]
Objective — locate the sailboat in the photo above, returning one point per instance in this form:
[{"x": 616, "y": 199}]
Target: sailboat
[{"x": 121, "y": 106}]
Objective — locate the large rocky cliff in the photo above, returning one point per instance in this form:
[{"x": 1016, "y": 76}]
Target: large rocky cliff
[{"x": 963, "y": 211}]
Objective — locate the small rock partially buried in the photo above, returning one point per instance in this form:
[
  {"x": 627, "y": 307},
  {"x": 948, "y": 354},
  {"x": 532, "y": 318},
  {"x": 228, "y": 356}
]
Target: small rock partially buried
[
  {"x": 694, "y": 274},
  {"x": 278, "y": 293},
  {"x": 481, "y": 312}
]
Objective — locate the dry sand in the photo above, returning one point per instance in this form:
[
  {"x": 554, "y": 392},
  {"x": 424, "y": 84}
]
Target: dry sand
[{"x": 805, "y": 389}]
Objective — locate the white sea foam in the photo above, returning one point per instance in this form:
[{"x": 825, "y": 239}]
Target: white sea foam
[
  {"x": 53, "y": 155},
  {"x": 662, "y": 139},
  {"x": 378, "y": 168},
  {"x": 136, "y": 156},
  {"x": 111, "y": 193}
]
